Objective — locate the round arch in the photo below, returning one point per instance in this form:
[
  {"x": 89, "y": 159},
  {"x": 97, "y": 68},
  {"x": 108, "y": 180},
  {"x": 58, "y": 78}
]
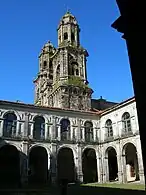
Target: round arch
[
  {"x": 130, "y": 162},
  {"x": 70, "y": 147},
  {"x": 38, "y": 161},
  {"x": 92, "y": 148},
  {"x": 125, "y": 145},
  {"x": 66, "y": 165},
  {"x": 11, "y": 144},
  {"x": 108, "y": 148},
  {"x": 9, "y": 166},
  {"x": 40, "y": 145},
  {"x": 11, "y": 112},
  {"x": 40, "y": 115},
  {"x": 111, "y": 162},
  {"x": 89, "y": 165}
]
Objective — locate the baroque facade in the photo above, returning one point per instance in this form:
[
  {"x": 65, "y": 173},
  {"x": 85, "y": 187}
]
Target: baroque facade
[{"x": 66, "y": 134}]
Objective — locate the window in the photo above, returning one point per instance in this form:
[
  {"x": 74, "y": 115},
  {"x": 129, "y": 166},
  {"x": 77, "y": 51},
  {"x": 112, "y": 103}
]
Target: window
[
  {"x": 39, "y": 128},
  {"x": 65, "y": 36},
  {"x": 10, "y": 123},
  {"x": 88, "y": 131},
  {"x": 109, "y": 128},
  {"x": 74, "y": 69},
  {"x": 65, "y": 129},
  {"x": 126, "y": 122}
]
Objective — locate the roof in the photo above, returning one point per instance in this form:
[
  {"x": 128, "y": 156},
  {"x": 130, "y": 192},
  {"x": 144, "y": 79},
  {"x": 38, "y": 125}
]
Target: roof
[
  {"x": 32, "y": 106},
  {"x": 93, "y": 111},
  {"x": 119, "y": 105}
]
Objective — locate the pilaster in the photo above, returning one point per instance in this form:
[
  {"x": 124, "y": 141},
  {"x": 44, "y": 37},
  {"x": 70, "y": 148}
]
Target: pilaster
[
  {"x": 53, "y": 164},
  {"x": 79, "y": 165}
]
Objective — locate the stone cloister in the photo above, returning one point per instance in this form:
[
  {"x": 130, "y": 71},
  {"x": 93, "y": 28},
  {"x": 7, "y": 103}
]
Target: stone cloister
[
  {"x": 46, "y": 148},
  {"x": 66, "y": 134}
]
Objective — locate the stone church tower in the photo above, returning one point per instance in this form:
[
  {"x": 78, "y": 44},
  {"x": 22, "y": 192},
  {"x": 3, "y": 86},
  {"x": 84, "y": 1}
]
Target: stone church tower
[{"x": 62, "y": 78}]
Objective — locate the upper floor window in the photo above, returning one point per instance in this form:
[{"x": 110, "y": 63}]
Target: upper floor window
[
  {"x": 126, "y": 122},
  {"x": 39, "y": 127},
  {"x": 65, "y": 36},
  {"x": 109, "y": 128},
  {"x": 65, "y": 129},
  {"x": 88, "y": 131},
  {"x": 10, "y": 123}
]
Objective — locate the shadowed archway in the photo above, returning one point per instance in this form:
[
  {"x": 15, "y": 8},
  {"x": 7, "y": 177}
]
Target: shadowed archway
[
  {"x": 89, "y": 166},
  {"x": 65, "y": 165},
  {"x": 130, "y": 161},
  {"x": 111, "y": 155},
  {"x": 9, "y": 167},
  {"x": 38, "y": 166}
]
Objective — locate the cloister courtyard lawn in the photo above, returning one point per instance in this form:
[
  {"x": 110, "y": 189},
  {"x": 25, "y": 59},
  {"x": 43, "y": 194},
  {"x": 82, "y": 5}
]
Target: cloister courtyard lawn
[
  {"x": 131, "y": 186},
  {"x": 105, "y": 189},
  {"x": 92, "y": 189}
]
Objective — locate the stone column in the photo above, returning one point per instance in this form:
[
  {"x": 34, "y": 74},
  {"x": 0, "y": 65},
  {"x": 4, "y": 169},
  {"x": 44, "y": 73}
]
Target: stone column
[
  {"x": 141, "y": 169},
  {"x": 104, "y": 164},
  {"x": 52, "y": 131},
  {"x": 99, "y": 169},
  {"x": 46, "y": 131},
  {"x": 120, "y": 174},
  {"x": 24, "y": 153},
  {"x": 53, "y": 164},
  {"x": 94, "y": 134},
  {"x": 79, "y": 164},
  {"x": 59, "y": 132},
  {"x": 74, "y": 133},
  {"x": 24, "y": 164},
  {"x": 31, "y": 128},
  {"x": 140, "y": 162},
  {"x": 119, "y": 163},
  {"x": 1, "y": 126},
  {"x": 106, "y": 169},
  {"x": 124, "y": 172},
  {"x": 49, "y": 133}
]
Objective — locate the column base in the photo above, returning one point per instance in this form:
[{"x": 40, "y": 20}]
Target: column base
[
  {"x": 120, "y": 177},
  {"x": 142, "y": 178},
  {"x": 80, "y": 178}
]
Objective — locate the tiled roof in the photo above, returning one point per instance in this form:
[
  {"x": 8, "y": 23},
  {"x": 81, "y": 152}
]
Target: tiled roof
[{"x": 3, "y": 102}]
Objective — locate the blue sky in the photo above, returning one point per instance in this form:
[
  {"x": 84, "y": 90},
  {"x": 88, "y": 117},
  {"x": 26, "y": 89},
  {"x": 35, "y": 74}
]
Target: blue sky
[{"x": 27, "y": 25}]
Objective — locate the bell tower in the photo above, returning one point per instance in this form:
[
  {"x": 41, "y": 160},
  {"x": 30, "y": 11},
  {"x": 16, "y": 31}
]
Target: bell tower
[
  {"x": 68, "y": 31},
  {"x": 62, "y": 79}
]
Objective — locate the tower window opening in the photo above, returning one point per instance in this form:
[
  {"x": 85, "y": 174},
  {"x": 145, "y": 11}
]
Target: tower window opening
[
  {"x": 45, "y": 65},
  {"x": 77, "y": 72},
  {"x": 50, "y": 76},
  {"x": 65, "y": 36},
  {"x": 50, "y": 67},
  {"x": 72, "y": 36}
]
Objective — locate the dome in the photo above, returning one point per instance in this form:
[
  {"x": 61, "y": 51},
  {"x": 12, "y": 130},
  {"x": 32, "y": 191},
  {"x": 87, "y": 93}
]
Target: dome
[
  {"x": 48, "y": 48},
  {"x": 68, "y": 18}
]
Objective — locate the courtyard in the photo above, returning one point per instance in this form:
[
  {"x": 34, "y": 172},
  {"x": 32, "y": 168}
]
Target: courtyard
[{"x": 109, "y": 188}]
